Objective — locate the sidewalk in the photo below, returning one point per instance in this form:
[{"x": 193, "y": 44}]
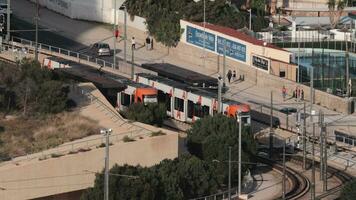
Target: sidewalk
[{"x": 90, "y": 32}]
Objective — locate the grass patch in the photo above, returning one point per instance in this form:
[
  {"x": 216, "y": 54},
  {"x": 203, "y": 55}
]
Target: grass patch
[
  {"x": 56, "y": 155},
  {"x": 157, "y": 133},
  {"x": 127, "y": 139},
  {"x": 34, "y": 134}
]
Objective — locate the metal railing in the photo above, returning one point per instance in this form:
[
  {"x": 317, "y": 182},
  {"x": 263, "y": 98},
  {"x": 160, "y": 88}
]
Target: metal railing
[{"x": 219, "y": 196}]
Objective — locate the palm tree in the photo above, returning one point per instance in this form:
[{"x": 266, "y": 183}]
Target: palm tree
[{"x": 336, "y": 7}]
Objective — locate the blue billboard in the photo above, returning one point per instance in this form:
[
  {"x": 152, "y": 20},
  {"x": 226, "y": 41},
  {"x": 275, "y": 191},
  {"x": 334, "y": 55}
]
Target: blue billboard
[
  {"x": 196, "y": 37},
  {"x": 233, "y": 49}
]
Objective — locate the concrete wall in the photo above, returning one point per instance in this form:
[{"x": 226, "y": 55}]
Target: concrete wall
[
  {"x": 260, "y": 50},
  {"x": 34, "y": 179}
]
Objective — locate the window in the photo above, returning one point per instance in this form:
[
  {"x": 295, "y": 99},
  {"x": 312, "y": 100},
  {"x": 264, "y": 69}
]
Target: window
[
  {"x": 165, "y": 98},
  {"x": 282, "y": 74},
  {"x": 125, "y": 99},
  {"x": 178, "y": 104}
]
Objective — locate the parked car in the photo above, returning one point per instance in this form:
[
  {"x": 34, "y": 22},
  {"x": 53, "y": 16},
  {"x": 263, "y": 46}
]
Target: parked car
[
  {"x": 101, "y": 49},
  {"x": 288, "y": 110}
]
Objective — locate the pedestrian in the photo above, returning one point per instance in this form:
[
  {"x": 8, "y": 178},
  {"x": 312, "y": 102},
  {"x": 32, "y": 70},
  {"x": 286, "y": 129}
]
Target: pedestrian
[
  {"x": 234, "y": 75},
  {"x": 229, "y": 75},
  {"x": 133, "y": 43},
  {"x": 296, "y": 93},
  {"x": 284, "y": 93},
  {"x": 302, "y": 94},
  {"x": 148, "y": 43},
  {"x": 151, "y": 39}
]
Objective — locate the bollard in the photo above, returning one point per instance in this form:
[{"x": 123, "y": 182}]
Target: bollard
[{"x": 59, "y": 50}]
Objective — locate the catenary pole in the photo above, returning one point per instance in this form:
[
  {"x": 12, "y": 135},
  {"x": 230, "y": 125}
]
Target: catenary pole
[
  {"x": 284, "y": 171},
  {"x": 229, "y": 194},
  {"x": 114, "y": 32},
  {"x": 8, "y": 21},
  {"x": 313, "y": 166},
  {"x": 240, "y": 161},
  {"x": 36, "y": 39},
  {"x": 132, "y": 63},
  {"x": 125, "y": 34},
  {"x": 304, "y": 138},
  {"x": 271, "y": 129}
]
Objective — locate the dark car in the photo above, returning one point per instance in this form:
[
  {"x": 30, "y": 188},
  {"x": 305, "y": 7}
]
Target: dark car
[{"x": 288, "y": 110}]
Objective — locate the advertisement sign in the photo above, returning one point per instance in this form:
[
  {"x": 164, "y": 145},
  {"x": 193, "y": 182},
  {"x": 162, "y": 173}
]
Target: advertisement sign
[
  {"x": 196, "y": 37},
  {"x": 260, "y": 63},
  {"x": 232, "y": 49}
]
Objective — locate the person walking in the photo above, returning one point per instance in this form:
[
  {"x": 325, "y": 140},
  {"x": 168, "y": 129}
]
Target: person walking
[
  {"x": 229, "y": 75},
  {"x": 133, "y": 43},
  {"x": 302, "y": 94},
  {"x": 284, "y": 93},
  {"x": 148, "y": 43},
  {"x": 233, "y": 75}
]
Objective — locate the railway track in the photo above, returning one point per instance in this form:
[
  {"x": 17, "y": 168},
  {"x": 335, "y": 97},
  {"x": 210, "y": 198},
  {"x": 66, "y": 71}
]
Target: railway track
[
  {"x": 341, "y": 175},
  {"x": 300, "y": 184}
]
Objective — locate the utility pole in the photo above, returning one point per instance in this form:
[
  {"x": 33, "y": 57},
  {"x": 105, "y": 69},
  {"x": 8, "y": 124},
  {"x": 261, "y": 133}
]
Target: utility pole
[
  {"x": 36, "y": 40},
  {"x": 321, "y": 144},
  {"x": 125, "y": 33},
  {"x": 8, "y": 20},
  {"x": 347, "y": 70},
  {"x": 325, "y": 183},
  {"x": 240, "y": 161},
  {"x": 271, "y": 129},
  {"x": 132, "y": 63},
  {"x": 224, "y": 65},
  {"x": 312, "y": 82},
  {"x": 284, "y": 171},
  {"x": 313, "y": 166},
  {"x": 229, "y": 173},
  {"x": 304, "y": 139},
  {"x": 114, "y": 32},
  {"x": 219, "y": 94},
  {"x": 106, "y": 133}
]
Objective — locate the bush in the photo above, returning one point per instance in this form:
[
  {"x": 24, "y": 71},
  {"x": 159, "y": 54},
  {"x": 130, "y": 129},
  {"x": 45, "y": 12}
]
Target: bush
[
  {"x": 127, "y": 139},
  {"x": 151, "y": 113},
  {"x": 157, "y": 133},
  {"x": 348, "y": 192}
]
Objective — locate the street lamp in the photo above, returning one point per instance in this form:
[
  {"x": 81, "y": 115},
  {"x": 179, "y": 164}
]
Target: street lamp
[
  {"x": 250, "y": 20},
  {"x": 204, "y": 19},
  {"x": 239, "y": 120},
  {"x": 106, "y": 133},
  {"x": 219, "y": 94}
]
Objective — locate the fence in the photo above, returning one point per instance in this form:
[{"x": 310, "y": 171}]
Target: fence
[{"x": 121, "y": 66}]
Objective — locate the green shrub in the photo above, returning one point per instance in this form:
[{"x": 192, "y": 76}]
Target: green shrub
[
  {"x": 127, "y": 139},
  {"x": 151, "y": 113},
  {"x": 157, "y": 133}
]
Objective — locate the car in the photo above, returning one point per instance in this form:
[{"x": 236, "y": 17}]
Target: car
[
  {"x": 101, "y": 49},
  {"x": 288, "y": 110}
]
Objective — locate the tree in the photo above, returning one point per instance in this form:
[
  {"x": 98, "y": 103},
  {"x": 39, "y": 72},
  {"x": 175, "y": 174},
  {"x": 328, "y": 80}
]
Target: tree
[
  {"x": 210, "y": 137},
  {"x": 336, "y": 7},
  {"x": 151, "y": 113},
  {"x": 182, "y": 178},
  {"x": 52, "y": 97},
  {"x": 348, "y": 192}
]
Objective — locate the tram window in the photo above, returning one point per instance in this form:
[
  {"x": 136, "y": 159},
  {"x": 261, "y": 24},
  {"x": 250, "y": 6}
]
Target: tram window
[
  {"x": 164, "y": 98},
  {"x": 178, "y": 104},
  {"x": 201, "y": 111},
  {"x": 125, "y": 99},
  {"x": 190, "y": 109},
  {"x": 168, "y": 102},
  {"x": 339, "y": 138}
]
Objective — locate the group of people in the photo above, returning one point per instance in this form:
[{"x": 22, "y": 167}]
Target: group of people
[
  {"x": 297, "y": 93},
  {"x": 231, "y": 75},
  {"x": 148, "y": 43}
]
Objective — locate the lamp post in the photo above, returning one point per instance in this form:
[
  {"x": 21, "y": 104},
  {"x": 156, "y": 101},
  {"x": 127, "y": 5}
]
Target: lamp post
[
  {"x": 204, "y": 19},
  {"x": 239, "y": 119},
  {"x": 250, "y": 20},
  {"x": 106, "y": 133},
  {"x": 219, "y": 94},
  {"x": 114, "y": 32}
]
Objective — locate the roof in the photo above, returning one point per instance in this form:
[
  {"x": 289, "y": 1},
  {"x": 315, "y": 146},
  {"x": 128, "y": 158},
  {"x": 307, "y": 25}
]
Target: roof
[
  {"x": 236, "y": 34},
  {"x": 181, "y": 74}
]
